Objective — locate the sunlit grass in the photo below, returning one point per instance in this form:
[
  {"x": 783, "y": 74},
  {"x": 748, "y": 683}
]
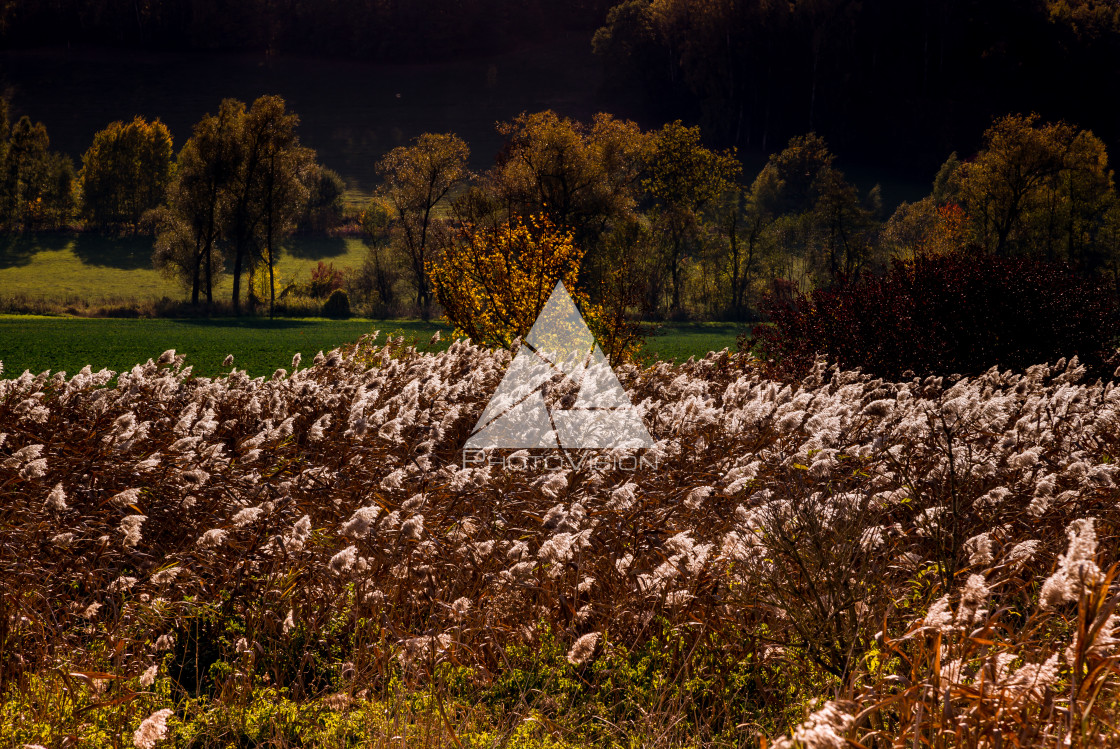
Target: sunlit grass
[{"x": 93, "y": 268}]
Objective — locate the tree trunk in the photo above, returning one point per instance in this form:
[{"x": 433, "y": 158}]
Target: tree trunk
[
  {"x": 210, "y": 232},
  {"x": 209, "y": 273},
  {"x": 271, "y": 268},
  {"x": 271, "y": 284},
  {"x": 237, "y": 279},
  {"x": 195, "y": 274},
  {"x": 733, "y": 243},
  {"x": 675, "y": 271}
]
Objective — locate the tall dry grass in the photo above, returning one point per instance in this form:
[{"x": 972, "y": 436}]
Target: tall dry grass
[{"x": 841, "y": 561}]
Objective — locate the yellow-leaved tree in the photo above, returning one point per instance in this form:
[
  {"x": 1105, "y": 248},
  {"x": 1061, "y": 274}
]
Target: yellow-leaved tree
[
  {"x": 125, "y": 172},
  {"x": 493, "y": 282}
]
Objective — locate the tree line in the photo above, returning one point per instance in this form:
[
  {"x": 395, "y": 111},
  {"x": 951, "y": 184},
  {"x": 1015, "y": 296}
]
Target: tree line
[
  {"x": 239, "y": 185},
  {"x": 36, "y": 184},
  {"x": 638, "y": 203},
  {"x": 668, "y": 227},
  {"x": 657, "y": 223}
]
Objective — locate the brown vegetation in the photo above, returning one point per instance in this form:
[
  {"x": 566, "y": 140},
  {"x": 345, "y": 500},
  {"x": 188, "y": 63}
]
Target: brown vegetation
[{"x": 933, "y": 557}]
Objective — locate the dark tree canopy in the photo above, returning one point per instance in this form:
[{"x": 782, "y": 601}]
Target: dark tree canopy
[{"x": 915, "y": 80}]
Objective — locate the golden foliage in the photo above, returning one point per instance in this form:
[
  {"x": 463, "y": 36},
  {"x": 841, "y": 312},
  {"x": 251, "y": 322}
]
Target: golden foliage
[
  {"x": 126, "y": 171},
  {"x": 493, "y": 282},
  {"x": 1037, "y": 187}
]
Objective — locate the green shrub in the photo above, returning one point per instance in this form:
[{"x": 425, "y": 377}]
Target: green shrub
[{"x": 337, "y": 305}]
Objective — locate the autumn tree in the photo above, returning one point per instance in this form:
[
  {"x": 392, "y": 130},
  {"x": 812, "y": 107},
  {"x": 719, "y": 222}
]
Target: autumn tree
[
  {"x": 1038, "y": 187},
  {"x": 493, "y": 283},
  {"x": 584, "y": 176},
  {"x": 24, "y": 171},
  {"x": 377, "y": 278},
  {"x": 924, "y": 228},
  {"x": 934, "y": 225},
  {"x": 416, "y": 179},
  {"x": 683, "y": 180},
  {"x": 788, "y": 183},
  {"x": 265, "y": 125},
  {"x": 826, "y": 229},
  {"x": 287, "y": 169},
  {"x": 843, "y": 228},
  {"x": 241, "y": 208},
  {"x": 175, "y": 252},
  {"x": 628, "y": 269},
  {"x": 36, "y": 184},
  {"x": 324, "y": 201},
  {"x": 188, "y": 229},
  {"x": 242, "y": 182},
  {"x": 125, "y": 172},
  {"x": 745, "y": 226}
]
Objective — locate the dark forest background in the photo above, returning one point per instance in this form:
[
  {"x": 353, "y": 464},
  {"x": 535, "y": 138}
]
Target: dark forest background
[
  {"x": 914, "y": 80},
  {"x": 713, "y": 159}
]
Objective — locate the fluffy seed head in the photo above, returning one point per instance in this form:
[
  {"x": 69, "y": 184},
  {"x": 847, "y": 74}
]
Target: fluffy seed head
[
  {"x": 583, "y": 649},
  {"x": 153, "y": 729}
]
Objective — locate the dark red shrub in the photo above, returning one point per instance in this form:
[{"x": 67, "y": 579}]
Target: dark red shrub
[
  {"x": 324, "y": 280},
  {"x": 952, "y": 313}
]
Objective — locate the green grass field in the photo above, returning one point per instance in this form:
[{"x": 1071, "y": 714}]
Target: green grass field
[
  {"x": 259, "y": 346},
  {"x": 678, "y": 341},
  {"x": 64, "y": 268}
]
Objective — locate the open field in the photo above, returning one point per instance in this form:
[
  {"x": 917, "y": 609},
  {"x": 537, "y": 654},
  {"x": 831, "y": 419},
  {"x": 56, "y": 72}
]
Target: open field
[
  {"x": 260, "y": 346},
  {"x": 678, "y": 341},
  {"x": 67, "y": 267}
]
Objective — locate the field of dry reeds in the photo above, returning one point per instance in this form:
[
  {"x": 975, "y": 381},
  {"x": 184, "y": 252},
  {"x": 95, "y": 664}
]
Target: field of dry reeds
[{"x": 301, "y": 560}]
